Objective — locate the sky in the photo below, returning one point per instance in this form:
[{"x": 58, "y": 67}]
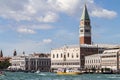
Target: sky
[{"x": 41, "y": 25}]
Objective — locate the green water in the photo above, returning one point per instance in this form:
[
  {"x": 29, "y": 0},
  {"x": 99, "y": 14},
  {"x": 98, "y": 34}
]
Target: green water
[{"x": 53, "y": 76}]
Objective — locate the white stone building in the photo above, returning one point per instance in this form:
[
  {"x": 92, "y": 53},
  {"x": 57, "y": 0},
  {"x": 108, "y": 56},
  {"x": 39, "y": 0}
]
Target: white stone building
[
  {"x": 111, "y": 59},
  {"x": 34, "y": 62},
  {"x": 18, "y": 62},
  {"x": 65, "y": 57},
  {"x": 93, "y": 62},
  {"x": 74, "y": 56}
]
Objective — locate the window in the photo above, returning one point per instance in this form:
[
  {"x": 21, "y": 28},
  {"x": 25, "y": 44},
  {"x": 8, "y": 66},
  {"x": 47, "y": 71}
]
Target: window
[
  {"x": 81, "y": 30},
  {"x": 53, "y": 56},
  {"x": 77, "y": 55},
  {"x": 64, "y": 56},
  {"x": 68, "y": 55},
  {"x": 72, "y": 56},
  {"x": 57, "y": 55},
  {"x": 87, "y": 23},
  {"x": 61, "y": 55},
  {"x": 87, "y": 30}
]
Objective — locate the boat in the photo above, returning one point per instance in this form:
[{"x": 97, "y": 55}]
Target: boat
[
  {"x": 69, "y": 72},
  {"x": 38, "y": 71},
  {"x": 2, "y": 73}
]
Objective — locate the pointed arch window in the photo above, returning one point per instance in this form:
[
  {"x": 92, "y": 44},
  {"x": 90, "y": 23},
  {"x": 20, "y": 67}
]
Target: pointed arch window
[
  {"x": 68, "y": 55},
  {"x": 72, "y": 56},
  {"x": 57, "y": 55},
  {"x": 61, "y": 55},
  {"x": 64, "y": 57},
  {"x": 77, "y": 55},
  {"x": 53, "y": 56}
]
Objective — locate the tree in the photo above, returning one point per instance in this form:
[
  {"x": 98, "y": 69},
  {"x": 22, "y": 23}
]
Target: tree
[
  {"x": 4, "y": 64},
  {"x": 1, "y": 53}
]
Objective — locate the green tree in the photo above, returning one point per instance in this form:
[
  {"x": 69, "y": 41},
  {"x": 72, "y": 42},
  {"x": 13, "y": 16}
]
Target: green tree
[
  {"x": 1, "y": 53},
  {"x": 4, "y": 64}
]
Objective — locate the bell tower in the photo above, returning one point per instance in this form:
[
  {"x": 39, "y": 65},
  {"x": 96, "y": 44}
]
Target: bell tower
[{"x": 85, "y": 27}]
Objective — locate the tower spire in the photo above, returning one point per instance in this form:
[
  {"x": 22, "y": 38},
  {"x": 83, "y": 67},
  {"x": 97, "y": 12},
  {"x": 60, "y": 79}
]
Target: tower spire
[
  {"x": 85, "y": 15},
  {"x": 85, "y": 27}
]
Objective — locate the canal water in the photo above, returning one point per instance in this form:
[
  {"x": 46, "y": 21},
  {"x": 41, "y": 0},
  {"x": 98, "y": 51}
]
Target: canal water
[{"x": 53, "y": 76}]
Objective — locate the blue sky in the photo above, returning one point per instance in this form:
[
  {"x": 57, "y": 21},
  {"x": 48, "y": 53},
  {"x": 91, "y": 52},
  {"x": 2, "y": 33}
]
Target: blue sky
[{"x": 39, "y": 25}]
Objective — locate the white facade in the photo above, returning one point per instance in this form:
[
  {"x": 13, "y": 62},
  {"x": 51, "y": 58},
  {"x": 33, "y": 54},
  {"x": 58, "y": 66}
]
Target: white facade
[
  {"x": 18, "y": 62},
  {"x": 110, "y": 59},
  {"x": 41, "y": 62},
  {"x": 93, "y": 61},
  {"x": 71, "y": 56},
  {"x": 65, "y": 57}
]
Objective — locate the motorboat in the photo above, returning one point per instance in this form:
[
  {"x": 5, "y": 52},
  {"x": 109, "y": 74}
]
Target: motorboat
[
  {"x": 69, "y": 72},
  {"x": 38, "y": 71}
]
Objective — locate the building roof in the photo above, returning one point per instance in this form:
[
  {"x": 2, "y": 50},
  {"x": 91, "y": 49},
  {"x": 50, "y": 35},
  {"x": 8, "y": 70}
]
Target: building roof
[
  {"x": 111, "y": 51},
  {"x": 67, "y": 46},
  {"x": 85, "y": 15},
  {"x": 93, "y": 55},
  {"x": 107, "y": 46},
  {"x": 40, "y": 55}
]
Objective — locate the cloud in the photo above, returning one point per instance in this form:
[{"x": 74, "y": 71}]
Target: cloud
[
  {"x": 47, "y": 41},
  {"x": 96, "y": 10},
  {"x": 26, "y": 31},
  {"x": 49, "y": 17},
  {"x": 48, "y": 10},
  {"x": 104, "y": 13},
  {"x": 44, "y": 42},
  {"x": 28, "y": 10},
  {"x": 65, "y": 6},
  {"x": 41, "y": 27},
  {"x": 32, "y": 29},
  {"x": 66, "y": 36}
]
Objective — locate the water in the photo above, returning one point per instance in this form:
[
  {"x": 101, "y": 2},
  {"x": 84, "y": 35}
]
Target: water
[{"x": 53, "y": 76}]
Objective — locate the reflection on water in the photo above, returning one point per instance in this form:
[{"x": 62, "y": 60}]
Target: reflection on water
[{"x": 53, "y": 76}]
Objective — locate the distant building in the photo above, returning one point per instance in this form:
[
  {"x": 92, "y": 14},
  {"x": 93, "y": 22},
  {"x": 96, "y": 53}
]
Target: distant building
[
  {"x": 111, "y": 59},
  {"x": 5, "y": 58},
  {"x": 34, "y": 62},
  {"x": 65, "y": 57},
  {"x": 38, "y": 61},
  {"x": 86, "y": 50},
  {"x": 18, "y": 62},
  {"x": 74, "y": 57},
  {"x": 93, "y": 62},
  {"x": 2, "y": 58}
]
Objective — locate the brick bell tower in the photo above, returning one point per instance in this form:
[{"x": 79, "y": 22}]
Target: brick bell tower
[{"x": 85, "y": 28}]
